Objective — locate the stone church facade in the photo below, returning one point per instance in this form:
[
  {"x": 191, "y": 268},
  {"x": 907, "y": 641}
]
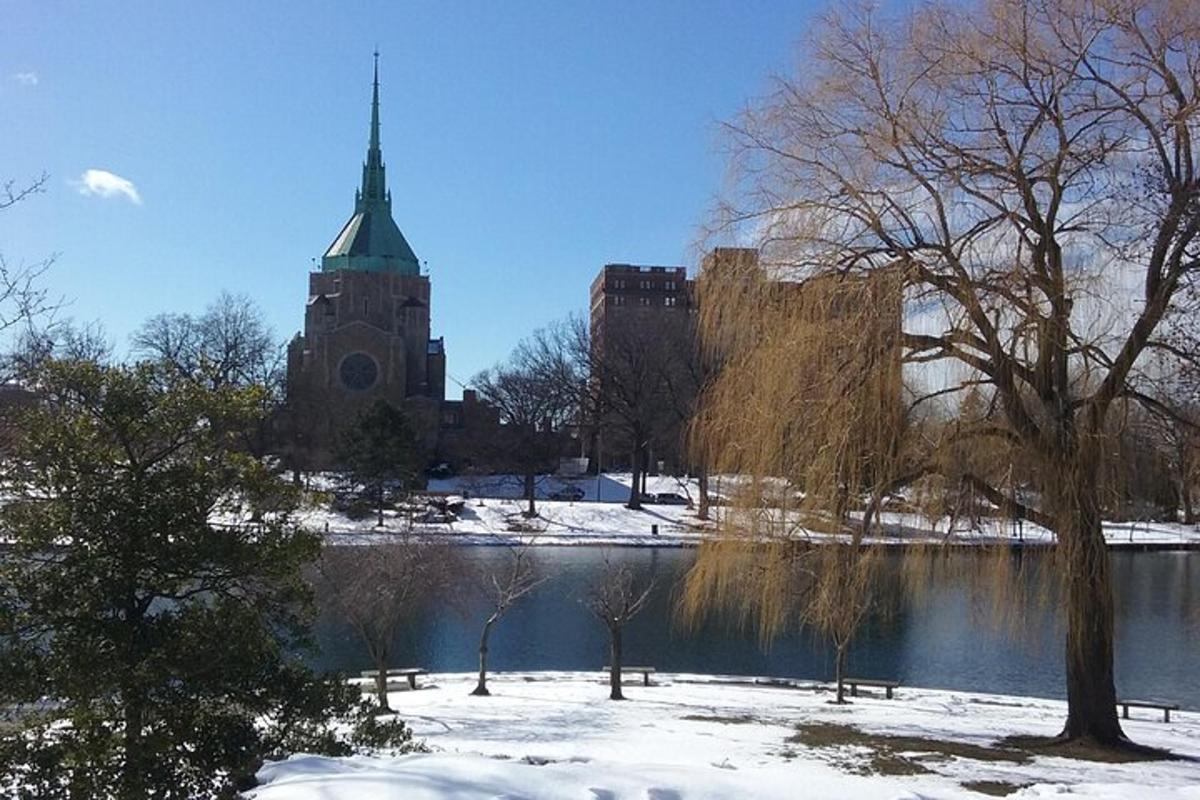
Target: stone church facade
[{"x": 366, "y": 325}]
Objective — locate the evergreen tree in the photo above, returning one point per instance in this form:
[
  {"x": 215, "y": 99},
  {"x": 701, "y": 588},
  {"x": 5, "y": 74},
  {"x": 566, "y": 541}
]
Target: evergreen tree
[
  {"x": 150, "y": 594},
  {"x": 378, "y": 450}
]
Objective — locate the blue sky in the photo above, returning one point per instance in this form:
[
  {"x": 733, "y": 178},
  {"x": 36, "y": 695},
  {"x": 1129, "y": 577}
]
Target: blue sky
[{"x": 527, "y": 144}]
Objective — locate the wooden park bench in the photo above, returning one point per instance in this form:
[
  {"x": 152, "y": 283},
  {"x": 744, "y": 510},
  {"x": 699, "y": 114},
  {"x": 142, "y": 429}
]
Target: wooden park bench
[
  {"x": 854, "y": 683},
  {"x": 645, "y": 671},
  {"x": 408, "y": 672},
  {"x": 1166, "y": 708}
]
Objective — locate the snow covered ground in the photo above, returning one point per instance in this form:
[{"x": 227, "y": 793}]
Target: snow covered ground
[
  {"x": 492, "y": 515},
  {"x": 499, "y": 521},
  {"x": 556, "y": 735}
]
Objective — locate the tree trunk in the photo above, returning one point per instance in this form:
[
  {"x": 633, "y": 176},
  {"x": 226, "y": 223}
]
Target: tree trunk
[
  {"x": 702, "y": 511},
  {"x": 481, "y": 688},
  {"x": 381, "y": 680},
  {"x": 379, "y": 505},
  {"x": 133, "y": 772},
  {"x": 133, "y": 700},
  {"x": 1185, "y": 494},
  {"x": 635, "y": 492},
  {"x": 614, "y": 669},
  {"x": 839, "y": 672},
  {"x": 1091, "y": 692},
  {"x": 530, "y": 487},
  {"x": 841, "y": 508}
]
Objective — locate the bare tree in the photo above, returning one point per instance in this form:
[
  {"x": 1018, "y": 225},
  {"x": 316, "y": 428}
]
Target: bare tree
[
  {"x": 229, "y": 344},
  {"x": 615, "y": 599},
  {"x": 378, "y": 588},
  {"x": 1027, "y": 172},
  {"x": 536, "y": 394},
  {"x": 1176, "y": 429},
  {"x": 1172, "y": 391},
  {"x": 828, "y": 587},
  {"x": 64, "y": 340},
  {"x": 839, "y": 594},
  {"x": 504, "y": 587},
  {"x": 627, "y": 386},
  {"x": 684, "y": 370},
  {"x": 24, "y": 299}
]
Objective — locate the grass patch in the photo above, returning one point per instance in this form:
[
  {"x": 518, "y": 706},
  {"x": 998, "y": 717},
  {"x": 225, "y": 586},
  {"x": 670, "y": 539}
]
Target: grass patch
[
  {"x": 1088, "y": 750},
  {"x": 830, "y": 734},
  {"x": 994, "y": 788},
  {"x": 900, "y": 755},
  {"x": 741, "y": 719},
  {"x": 521, "y": 524},
  {"x": 890, "y": 754},
  {"x": 893, "y": 764}
]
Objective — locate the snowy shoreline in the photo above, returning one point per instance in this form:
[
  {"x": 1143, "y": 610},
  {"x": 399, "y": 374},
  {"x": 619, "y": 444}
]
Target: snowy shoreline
[
  {"x": 556, "y": 735},
  {"x": 492, "y": 509},
  {"x": 498, "y": 522},
  {"x": 350, "y": 535},
  {"x": 491, "y": 515}
]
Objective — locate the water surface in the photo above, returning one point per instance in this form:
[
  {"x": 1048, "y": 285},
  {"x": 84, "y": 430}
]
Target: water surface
[{"x": 945, "y": 638}]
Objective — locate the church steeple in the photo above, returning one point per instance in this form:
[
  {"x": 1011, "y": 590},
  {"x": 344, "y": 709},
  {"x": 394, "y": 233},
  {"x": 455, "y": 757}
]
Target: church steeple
[
  {"x": 375, "y": 106},
  {"x": 370, "y": 240},
  {"x": 374, "y": 179}
]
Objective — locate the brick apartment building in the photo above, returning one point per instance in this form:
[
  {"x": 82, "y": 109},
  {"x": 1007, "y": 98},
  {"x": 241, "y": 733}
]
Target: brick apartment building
[
  {"x": 638, "y": 295},
  {"x": 645, "y": 307},
  {"x": 648, "y": 303}
]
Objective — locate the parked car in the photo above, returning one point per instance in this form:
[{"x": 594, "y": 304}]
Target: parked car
[
  {"x": 440, "y": 471},
  {"x": 344, "y": 500},
  {"x": 571, "y": 493}
]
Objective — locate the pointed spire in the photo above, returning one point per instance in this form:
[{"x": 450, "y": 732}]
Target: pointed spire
[
  {"x": 374, "y": 183},
  {"x": 375, "y": 106},
  {"x": 370, "y": 240}
]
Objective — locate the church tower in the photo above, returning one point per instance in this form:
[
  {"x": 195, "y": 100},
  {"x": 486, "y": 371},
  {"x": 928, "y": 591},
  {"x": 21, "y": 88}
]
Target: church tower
[{"x": 366, "y": 324}]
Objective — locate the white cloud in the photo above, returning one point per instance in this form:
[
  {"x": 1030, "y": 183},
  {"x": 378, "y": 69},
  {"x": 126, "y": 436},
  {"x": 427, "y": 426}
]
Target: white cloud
[
  {"x": 26, "y": 78},
  {"x": 102, "y": 183}
]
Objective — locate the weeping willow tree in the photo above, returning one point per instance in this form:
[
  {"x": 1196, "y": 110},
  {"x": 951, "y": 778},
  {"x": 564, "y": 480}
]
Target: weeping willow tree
[
  {"x": 807, "y": 409},
  {"x": 1026, "y": 170}
]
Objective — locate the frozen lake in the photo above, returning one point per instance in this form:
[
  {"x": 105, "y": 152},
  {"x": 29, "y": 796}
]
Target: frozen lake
[{"x": 945, "y": 638}]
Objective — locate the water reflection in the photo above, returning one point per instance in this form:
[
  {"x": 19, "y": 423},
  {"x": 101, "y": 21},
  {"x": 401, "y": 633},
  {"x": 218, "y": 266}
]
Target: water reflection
[{"x": 944, "y": 638}]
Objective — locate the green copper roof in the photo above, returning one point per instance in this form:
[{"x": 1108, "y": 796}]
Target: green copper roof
[{"x": 370, "y": 239}]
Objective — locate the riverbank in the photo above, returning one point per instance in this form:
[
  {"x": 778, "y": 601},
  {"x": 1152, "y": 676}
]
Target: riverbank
[
  {"x": 500, "y": 521},
  {"x": 556, "y": 735}
]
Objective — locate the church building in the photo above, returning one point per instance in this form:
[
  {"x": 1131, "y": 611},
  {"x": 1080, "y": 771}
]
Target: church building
[{"x": 366, "y": 325}]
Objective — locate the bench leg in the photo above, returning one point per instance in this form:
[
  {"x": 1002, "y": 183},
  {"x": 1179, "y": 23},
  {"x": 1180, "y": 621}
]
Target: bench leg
[
  {"x": 1125, "y": 712},
  {"x": 412, "y": 682},
  {"x": 889, "y": 693},
  {"x": 645, "y": 678},
  {"x": 1166, "y": 715},
  {"x": 854, "y": 690}
]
